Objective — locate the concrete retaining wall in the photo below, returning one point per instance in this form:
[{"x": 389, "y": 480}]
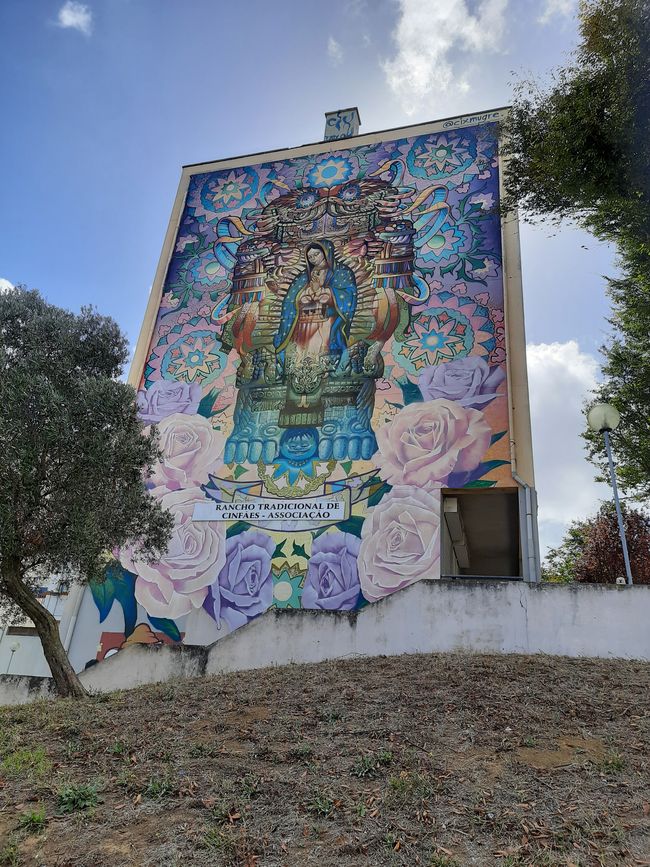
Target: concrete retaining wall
[{"x": 486, "y": 616}]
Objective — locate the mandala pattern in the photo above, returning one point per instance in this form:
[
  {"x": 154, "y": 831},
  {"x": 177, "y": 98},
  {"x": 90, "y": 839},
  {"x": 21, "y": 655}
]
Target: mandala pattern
[
  {"x": 224, "y": 192},
  {"x": 330, "y": 172},
  {"x": 458, "y": 327},
  {"x": 206, "y": 270},
  {"x": 193, "y": 358},
  {"x": 441, "y": 157}
]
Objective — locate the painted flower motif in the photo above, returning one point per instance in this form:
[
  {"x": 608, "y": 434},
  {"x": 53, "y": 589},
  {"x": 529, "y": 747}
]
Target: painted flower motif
[
  {"x": 445, "y": 244},
  {"x": 332, "y": 582},
  {"x": 329, "y": 172},
  {"x": 179, "y": 581},
  {"x": 169, "y": 300},
  {"x": 443, "y": 155},
  {"x": 485, "y": 200},
  {"x": 191, "y": 449},
  {"x": 244, "y": 588},
  {"x": 400, "y": 542},
  {"x": 287, "y": 586},
  {"x": 184, "y": 317},
  {"x": 469, "y": 381},
  {"x": 195, "y": 356},
  {"x": 205, "y": 310},
  {"x": 428, "y": 441},
  {"x": 166, "y": 397},
  {"x": 206, "y": 269},
  {"x": 453, "y": 326}
]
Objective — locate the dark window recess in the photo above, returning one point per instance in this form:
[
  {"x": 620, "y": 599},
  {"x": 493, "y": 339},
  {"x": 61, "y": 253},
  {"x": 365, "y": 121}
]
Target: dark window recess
[{"x": 480, "y": 534}]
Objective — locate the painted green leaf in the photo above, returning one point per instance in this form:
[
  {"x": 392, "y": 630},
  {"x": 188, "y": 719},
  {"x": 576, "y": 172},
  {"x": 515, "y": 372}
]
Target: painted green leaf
[
  {"x": 205, "y": 406},
  {"x": 104, "y": 596},
  {"x": 410, "y": 392},
  {"x": 481, "y": 483},
  {"x": 299, "y": 551},
  {"x": 167, "y": 627},
  {"x": 378, "y": 493},
  {"x": 346, "y": 466},
  {"x": 497, "y": 436},
  {"x": 279, "y": 550},
  {"x": 125, "y": 595},
  {"x": 239, "y": 471},
  {"x": 237, "y": 528},
  {"x": 487, "y": 467},
  {"x": 353, "y": 525}
]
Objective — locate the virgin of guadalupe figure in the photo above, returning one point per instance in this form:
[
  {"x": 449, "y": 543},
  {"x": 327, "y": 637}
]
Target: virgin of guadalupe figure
[
  {"x": 317, "y": 310},
  {"x": 315, "y": 321}
]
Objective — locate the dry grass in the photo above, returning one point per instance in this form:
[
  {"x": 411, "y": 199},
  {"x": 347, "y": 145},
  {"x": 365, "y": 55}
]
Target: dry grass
[{"x": 435, "y": 760}]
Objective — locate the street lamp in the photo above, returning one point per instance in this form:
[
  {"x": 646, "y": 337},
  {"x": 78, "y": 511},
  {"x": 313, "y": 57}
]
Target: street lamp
[
  {"x": 603, "y": 418},
  {"x": 13, "y": 648}
]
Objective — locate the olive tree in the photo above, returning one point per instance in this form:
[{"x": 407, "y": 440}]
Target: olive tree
[{"x": 73, "y": 459}]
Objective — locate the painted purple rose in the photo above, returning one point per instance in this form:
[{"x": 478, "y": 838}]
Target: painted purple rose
[
  {"x": 469, "y": 381},
  {"x": 244, "y": 587},
  {"x": 165, "y": 397},
  {"x": 332, "y": 581}
]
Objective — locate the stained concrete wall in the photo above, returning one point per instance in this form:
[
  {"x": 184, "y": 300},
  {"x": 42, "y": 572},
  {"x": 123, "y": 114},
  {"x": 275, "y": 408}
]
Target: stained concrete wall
[{"x": 488, "y": 616}]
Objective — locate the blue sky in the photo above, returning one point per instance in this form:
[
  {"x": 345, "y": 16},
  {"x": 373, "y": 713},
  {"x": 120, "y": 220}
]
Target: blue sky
[{"x": 104, "y": 101}]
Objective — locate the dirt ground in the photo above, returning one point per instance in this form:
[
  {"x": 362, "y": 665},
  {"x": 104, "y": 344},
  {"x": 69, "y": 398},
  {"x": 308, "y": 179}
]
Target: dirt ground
[{"x": 439, "y": 760}]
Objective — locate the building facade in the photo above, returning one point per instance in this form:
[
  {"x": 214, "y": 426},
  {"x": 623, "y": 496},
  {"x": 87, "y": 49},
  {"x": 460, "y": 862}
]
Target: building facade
[{"x": 334, "y": 355}]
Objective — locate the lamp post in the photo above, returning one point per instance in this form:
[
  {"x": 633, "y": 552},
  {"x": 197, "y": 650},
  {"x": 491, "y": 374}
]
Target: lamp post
[
  {"x": 603, "y": 418},
  {"x": 13, "y": 648}
]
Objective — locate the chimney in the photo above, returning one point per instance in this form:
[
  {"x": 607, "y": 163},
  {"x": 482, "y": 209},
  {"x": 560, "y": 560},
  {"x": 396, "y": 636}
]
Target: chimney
[{"x": 343, "y": 123}]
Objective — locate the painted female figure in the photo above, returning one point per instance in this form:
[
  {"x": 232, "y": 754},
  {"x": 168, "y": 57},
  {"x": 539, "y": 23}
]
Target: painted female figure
[{"x": 318, "y": 308}]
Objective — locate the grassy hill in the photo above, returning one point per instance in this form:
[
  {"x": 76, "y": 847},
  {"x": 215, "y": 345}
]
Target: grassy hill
[{"x": 433, "y": 760}]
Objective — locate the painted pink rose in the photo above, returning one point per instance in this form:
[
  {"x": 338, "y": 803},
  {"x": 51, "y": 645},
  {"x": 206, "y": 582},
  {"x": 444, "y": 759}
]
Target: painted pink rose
[
  {"x": 426, "y": 442},
  {"x": 191, "y": 449},
  {"x": 400, "y": 542},
  {"x": 179, "y": 582}
]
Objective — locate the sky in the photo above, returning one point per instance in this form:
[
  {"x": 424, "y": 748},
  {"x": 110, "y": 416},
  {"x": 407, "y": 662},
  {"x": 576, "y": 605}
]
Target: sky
[{"x": 104, "y": 101}]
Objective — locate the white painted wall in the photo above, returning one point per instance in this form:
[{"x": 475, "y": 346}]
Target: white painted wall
[{"x": 488, "y": 616}]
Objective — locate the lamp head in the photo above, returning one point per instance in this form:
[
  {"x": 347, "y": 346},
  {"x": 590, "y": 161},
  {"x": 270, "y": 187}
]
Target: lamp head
[{"x": 603, "y": 417}]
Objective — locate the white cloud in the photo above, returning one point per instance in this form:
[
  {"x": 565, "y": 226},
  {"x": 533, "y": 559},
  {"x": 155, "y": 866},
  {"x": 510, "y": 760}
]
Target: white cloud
[
  {"x": 560, "y": 377},
  {"x": 76, "y": 15},
  {"x": 334, "y": 51},
  {"x": 5, "y": 285},
  {"x": 564, "y": 8},
  {"x": 427, "y": 36}
]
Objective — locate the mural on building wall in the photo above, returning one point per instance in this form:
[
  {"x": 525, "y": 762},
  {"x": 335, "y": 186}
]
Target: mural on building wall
[{"x": 329, "y": 347}]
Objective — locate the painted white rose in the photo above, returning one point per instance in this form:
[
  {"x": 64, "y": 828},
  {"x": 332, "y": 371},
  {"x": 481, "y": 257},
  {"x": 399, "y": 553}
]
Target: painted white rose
[
  {"x": 178, "y": 583},
  {"x": 191, "y": 448},
  {"x": 400, "y": 542}
]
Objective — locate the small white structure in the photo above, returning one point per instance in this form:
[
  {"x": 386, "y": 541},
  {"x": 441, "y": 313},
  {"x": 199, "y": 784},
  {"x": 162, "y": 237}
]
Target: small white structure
[{"x": 20, "y": 646}]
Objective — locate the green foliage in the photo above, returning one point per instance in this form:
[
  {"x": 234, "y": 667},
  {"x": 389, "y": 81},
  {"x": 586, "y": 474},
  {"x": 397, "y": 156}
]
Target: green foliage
[
  {"x": 26, "y": 763},
  {"x": 73, "y": 459},
  {"x": 159, "y": 787},
  {"x": 370, "y": 765},
  {"x": 321, "y": 805},
  {"x": 612, "y": 764},
  {"x": 75, "y": 797},
  {"x": 72, "y": 451},
  {"x": 9, "y": 855},
  {"x": 591, "y": 550},
  {"x": 580, "y": 149},
  {"x": 33, "y": 821}
]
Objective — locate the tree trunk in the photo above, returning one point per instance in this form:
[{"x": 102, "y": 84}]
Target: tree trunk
[{"x": 64, "y": 676}]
